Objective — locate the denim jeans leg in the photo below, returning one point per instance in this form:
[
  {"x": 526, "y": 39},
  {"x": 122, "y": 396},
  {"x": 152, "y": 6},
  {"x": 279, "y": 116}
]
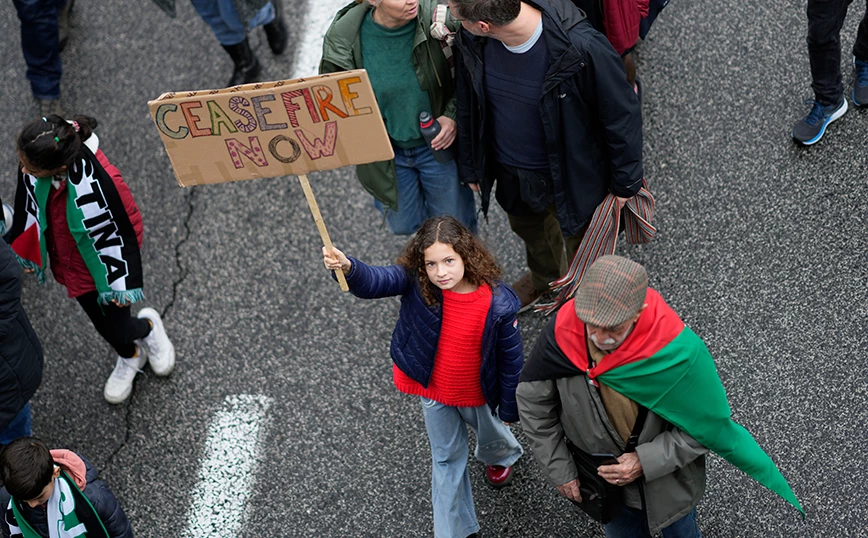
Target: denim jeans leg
[
  {"x": 221, "y": 16},
  {"x": 495, "y": 443},
  {"x": 686, "y": 527},
  {"x": 21, "y": 426},
  {"x": 40, "y": 44},
  {"x": 451, "y": 497},
  {"x": 443, "y": 192},
  {"x": 411, "y": 209},
  {"x": 631, "y": 523},
  {"x": 825, "y": 19}
]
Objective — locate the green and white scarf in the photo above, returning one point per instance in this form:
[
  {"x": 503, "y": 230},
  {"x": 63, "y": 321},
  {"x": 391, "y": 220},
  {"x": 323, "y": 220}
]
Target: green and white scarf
[
  {"x": 69, "y": 514},
  {"x": 97, "y": 220}
]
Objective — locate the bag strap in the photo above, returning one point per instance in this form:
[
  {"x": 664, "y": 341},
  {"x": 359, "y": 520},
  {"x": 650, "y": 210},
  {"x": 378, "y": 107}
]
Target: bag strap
[{"x": 633, "y": 440}]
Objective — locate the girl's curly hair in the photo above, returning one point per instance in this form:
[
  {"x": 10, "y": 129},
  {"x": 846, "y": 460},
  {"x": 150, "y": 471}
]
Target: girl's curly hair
[{"x": 479, "y": 265}]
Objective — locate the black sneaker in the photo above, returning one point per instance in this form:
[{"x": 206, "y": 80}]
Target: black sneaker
[
  {"x": 811, "y": 129},
  {"x": 860, "y": 84}
]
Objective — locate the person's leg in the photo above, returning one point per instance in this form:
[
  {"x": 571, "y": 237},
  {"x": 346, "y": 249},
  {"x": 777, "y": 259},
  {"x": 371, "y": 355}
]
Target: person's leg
[
  {"x": 115, "y": 324},
  {"x": 860, "y": 47},
  {"x": 495, "y": 443},
  {"x": 21, "y": 426},
  {"x": 411, "y": 209},
  {"x": 860, "y": 63},
  {"x": 631, "y": 523},
  {"x": 222, "y": 19},
  {"x": 825, "y": 19},
  {"x": 442, "y": 192},
  {"x": 41, "y": 47},
  {"x": 454, "y": 515},
  {"x": 686, "y": 527},
  {"x": 544, "y": 246}
]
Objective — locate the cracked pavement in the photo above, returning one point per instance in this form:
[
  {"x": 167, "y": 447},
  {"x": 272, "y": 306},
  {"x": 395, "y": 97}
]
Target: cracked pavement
[{"x": 762, "y": 249}]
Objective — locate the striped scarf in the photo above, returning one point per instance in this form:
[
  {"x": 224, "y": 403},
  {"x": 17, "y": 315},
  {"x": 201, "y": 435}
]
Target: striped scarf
[
  {"x": 600, "y": 239},
  {"x": 97, "y": 220}
]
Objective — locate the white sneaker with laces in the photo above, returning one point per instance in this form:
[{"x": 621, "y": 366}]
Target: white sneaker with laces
[
  {"x": 161, "y": 352},
  {"x": 120, "y": 383}
]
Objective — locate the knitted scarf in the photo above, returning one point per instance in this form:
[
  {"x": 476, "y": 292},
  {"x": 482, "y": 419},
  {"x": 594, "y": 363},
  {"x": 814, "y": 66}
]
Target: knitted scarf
[
  {"x": 68, "y": 513},
  {"x": 97, "y": 220}
]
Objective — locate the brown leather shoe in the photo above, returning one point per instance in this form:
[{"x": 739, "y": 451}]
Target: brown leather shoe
[
  {"x": 497, "y": 475},
  {"x": 527, "y": 294}
]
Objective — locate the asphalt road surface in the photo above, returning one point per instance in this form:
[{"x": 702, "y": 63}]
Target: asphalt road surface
[{"x": 281, "y": 420}]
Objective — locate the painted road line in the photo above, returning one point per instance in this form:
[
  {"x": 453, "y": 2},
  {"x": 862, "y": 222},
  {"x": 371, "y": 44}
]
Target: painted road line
[
  {"x": 319, "y": 16},
  {"x": 228, "y": 467}
]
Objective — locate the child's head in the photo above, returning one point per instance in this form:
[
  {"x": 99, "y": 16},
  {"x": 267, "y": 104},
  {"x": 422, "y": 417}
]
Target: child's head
[
  {"x": 28, "y": 470},
  {"x": 47, "y": 146},
  {"x": 427, "y": 247}
]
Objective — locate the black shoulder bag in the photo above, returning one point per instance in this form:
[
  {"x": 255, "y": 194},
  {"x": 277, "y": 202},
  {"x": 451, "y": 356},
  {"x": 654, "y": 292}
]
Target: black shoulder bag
[{"x": 600, "y": 499}]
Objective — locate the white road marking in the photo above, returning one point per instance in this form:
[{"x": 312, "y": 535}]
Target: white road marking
[
  {"x": 320, "y": 14},
  {"x": 229, "y": 464}
]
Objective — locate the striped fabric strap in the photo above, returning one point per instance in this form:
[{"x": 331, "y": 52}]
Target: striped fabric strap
[
  {"x": 600, "y": 240},
  {"x": 441, "y": 32}
]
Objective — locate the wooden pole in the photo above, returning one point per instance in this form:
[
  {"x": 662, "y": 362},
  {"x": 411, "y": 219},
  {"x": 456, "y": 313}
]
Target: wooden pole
[{"x": 323, "y": 232}]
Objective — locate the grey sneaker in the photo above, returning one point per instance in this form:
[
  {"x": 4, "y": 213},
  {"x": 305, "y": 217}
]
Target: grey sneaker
[
  {"x": 161, "y": 352},
  {"x": 47, "y": 107},
  {"x": 119, "y": 385}
]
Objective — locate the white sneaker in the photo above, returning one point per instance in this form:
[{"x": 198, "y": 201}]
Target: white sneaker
[
  {"x": 120, "y": 383},
  {"x": 161, "y": 352}
]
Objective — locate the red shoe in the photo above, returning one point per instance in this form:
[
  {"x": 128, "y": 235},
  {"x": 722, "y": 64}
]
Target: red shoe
[{"x": 498, "y": 476}]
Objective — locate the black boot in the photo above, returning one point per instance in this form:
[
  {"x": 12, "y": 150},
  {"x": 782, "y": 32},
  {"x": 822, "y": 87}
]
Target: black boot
[
  {"x": 246, "y": 63},
  {"x": 276, "y": 30}
]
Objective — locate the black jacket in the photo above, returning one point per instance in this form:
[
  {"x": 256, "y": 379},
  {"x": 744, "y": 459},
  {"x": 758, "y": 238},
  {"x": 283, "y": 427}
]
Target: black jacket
[
  {"x": 20, "y": 351},
  {"x": 97, "y": 492},
  {"x": 590, "y": 114}
]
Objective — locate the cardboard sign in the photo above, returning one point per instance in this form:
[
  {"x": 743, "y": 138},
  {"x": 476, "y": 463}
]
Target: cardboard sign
[{"x": 271, "y": 129}]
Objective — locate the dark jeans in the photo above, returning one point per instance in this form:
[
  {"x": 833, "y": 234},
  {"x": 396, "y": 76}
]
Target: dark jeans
[
  {"x": 825, "y": 19},
  {"x": 41, "y": 45},
  {"x": 633, "y": 523},
  {"x": 21, "y": 426},
  {"x": 115, "y": 324},
  {"x": 544, "y": 243}
]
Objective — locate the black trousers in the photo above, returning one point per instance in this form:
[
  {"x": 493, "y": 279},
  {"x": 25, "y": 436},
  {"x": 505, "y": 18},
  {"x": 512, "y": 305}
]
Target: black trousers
[
  {"x": 825, "y": 19},
  {"x": 115, "y": 324}
]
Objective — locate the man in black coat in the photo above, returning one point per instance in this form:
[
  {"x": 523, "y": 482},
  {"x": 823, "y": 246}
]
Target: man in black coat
[
  {"x": 544, "y": 109},
  {"x": 21, "y": 357}
]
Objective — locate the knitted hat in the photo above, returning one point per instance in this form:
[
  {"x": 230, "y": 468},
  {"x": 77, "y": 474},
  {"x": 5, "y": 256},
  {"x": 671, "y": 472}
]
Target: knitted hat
[{"x": 612, "y": 291}]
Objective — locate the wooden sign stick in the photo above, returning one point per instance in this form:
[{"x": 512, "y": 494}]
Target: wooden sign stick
[{"x": 323, "y": 232}]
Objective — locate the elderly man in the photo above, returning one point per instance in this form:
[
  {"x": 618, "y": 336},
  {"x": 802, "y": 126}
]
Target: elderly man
[
  {"x": 617, "y": 372},
  {"x": 545, "y": 111}
]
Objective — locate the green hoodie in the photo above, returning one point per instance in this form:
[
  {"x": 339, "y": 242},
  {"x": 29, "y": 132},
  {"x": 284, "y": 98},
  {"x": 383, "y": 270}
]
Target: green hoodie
[{"x": 342, "y": 51}]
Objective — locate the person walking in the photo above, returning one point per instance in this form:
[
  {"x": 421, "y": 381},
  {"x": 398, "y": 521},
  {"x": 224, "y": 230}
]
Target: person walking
[
  {"x": 457, "y": 347},
  {"x": 74, "y": 210},
  {"x": 410, "y": 74},
  {"x": 545, "y": 111},
  {"x": 825, "y": 19}
]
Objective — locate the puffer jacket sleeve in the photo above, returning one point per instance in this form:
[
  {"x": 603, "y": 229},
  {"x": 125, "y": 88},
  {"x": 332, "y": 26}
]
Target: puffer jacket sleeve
[
  {"x": 372, "y": 282},
  {"x": 510, "y": 359},
  {"x": 109, "y": 510}
]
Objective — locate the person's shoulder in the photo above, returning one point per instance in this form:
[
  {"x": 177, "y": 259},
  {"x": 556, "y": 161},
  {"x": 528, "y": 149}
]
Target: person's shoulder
[
  {"x": 347, "y": 21},
  {"x": 504, "y": 301}
]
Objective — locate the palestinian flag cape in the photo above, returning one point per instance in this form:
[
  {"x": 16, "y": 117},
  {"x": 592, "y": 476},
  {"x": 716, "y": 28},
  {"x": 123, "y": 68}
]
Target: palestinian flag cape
[
  {"x": 665, "y": 367},
  {"x": 68, "y": 513},
  {"x": 97, "y": 220}
]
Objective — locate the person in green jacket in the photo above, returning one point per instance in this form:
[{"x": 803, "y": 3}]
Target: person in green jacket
[{"x": 410, "y": 74}]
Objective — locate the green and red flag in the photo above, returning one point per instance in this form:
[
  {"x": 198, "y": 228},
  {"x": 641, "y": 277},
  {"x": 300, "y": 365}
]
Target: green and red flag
[{"x": 664, "y": 366}]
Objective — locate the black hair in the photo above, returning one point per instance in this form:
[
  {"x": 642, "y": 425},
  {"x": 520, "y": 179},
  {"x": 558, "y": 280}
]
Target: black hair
[
  {"x": 52, "y": 142},
  {"x": 496, "y": 12},
  {"x": 26, "y": 467}
]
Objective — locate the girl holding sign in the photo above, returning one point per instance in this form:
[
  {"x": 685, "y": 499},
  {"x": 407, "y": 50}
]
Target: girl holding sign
[
  {"x": 410, "y": 73},
  {"x": 74, "y": 210},
  {"x": 457, "y": 346}
]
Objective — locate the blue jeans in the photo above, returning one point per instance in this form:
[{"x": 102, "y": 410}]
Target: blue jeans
[
  {"x": 427, "y": 188},
  {"x": 224, "y": 21},
  {"x": 40, "y": 44},
  {"x": 454, "y": 515},
  {"x": 633, "y": 523},
  {"x": 21, "y": 426}
]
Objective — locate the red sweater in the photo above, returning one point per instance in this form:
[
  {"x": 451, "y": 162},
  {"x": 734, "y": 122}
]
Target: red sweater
[{"x": 455, "y": 378}]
